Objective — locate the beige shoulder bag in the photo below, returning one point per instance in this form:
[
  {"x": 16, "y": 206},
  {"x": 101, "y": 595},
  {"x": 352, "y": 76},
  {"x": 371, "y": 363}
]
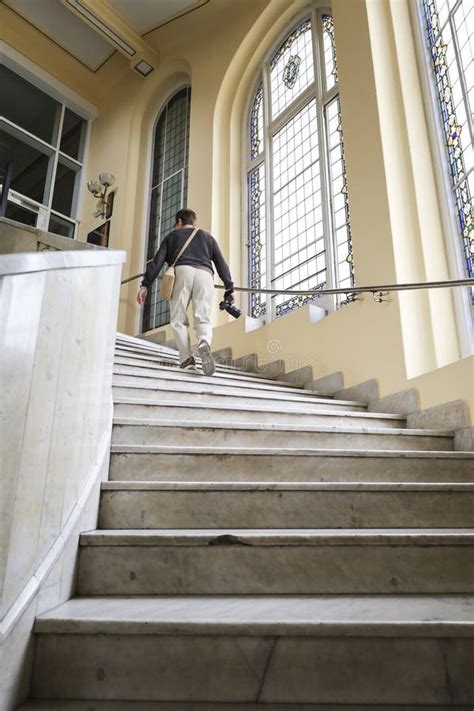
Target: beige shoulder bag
[{"x": 167, "y": 280}]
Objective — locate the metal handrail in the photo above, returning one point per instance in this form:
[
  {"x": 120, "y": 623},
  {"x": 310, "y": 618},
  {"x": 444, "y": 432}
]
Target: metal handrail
[{"x": 373, "y": 289}]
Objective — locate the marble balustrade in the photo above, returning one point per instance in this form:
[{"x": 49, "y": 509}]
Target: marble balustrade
[{"x": 57, "y": 331}]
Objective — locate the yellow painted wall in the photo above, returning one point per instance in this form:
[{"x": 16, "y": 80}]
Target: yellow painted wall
[{"x": 395, "y": 218}]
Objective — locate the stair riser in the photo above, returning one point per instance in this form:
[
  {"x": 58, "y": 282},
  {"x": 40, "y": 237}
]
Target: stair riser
[
  {"x": 230, "y": 668},
  {"x": 50, "y": 705},
  {"x": 285, "y": 509},
  {"x": 125, "y": 357},
  {"x": 274, "y": 570},
  {"x": 144, "y": 367},
  {"x": 146, "y": 361},
  {"x": 230, "y": 416},
  {"x": 201, "y": 437},
  {"x": 222, "y": 467},
  {"x": 177, "y": 376},
  {"x": 211, "y": 395}
]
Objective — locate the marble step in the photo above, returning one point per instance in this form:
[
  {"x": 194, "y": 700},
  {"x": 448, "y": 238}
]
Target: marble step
[
  {"x": 147, "y": 349},
  {"x": 150, "y": 433},
  {"x": 287, "y": 464},
  {"x": 126, "y": 408},
  {"x": 164, "y": 374},
  {"x": 128, "y": 357},
  {"x": 188, "y": 505},
  {"x": 152, "y": 367},
  {"x": 95, "y": 705},
  {"x": 203, "y": 395},
  {"x": 390, "y": 649},
  {"x": 232, "y": 561}
]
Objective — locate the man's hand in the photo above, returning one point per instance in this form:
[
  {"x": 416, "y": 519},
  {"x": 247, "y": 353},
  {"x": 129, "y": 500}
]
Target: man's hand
[
  {"x": 142, "y": 294},
  {"x": 229, "y": 296}
]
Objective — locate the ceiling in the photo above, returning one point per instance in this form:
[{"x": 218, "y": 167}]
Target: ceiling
[
  {"x": 81, "y": 41},
  {"x": 146, "y": 15}
]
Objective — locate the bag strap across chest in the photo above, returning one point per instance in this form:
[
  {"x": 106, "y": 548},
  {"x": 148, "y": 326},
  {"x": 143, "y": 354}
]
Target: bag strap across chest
[{"x": 186, "y": 245}]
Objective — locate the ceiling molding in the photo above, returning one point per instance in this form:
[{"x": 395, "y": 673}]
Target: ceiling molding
[
  {"x": 48, "y": 35},
  {"x": 196, "y": 6},
  {"x": 111, "y": 26},
  {"x": 87, "y": 50}
]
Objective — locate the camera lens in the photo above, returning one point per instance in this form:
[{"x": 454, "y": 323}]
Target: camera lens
[{"x": 230, "y": 308}]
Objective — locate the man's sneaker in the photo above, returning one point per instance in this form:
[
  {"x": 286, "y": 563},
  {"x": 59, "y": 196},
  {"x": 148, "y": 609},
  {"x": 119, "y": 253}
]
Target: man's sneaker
[
  {"x": 208, "y": 365},
  {"x": 188, "y": 364}
]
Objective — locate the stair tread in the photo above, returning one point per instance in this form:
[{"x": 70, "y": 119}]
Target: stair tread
[
  {"x": 173, "y": 360},
  {"x": 222, "y": 372},
  {"x": 259, "y": 408},
  {"x": 288, "y": 451},
  {"x": 283, "y": 615},
  {"x": 100, "y": 705},
  {"x": 270, "y": 427},
  {"x": 207, "y": 486},
  {"x": 175, "y": 375},
  {"x": 306, "y": 396},
  {"x": 145, "y": 346},
  {"x": 279, "y": 537}
]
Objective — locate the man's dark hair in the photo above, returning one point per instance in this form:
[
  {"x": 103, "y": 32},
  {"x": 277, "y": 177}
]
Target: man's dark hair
[{"x": 187, "y": 217}]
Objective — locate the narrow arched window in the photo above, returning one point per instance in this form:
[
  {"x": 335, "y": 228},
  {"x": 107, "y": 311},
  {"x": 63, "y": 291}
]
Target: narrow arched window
[
  {"x": 449, "y": 29},
  {"x": 168, "y": 192},
  {"x": 298, "y": 229}
]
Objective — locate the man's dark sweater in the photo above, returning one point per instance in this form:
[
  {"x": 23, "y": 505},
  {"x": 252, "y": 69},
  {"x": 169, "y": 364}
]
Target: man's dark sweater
[{"x": 202, "y": 251}]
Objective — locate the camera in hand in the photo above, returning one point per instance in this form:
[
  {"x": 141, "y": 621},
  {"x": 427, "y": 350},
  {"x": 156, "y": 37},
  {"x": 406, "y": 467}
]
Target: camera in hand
[{"x": 230, "y": 308}]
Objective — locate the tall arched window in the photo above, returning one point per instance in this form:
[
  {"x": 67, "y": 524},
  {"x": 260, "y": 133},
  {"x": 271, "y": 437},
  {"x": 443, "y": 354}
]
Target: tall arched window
[
  {"x": 168, "y": 191},
  {"x": 449, "y": 29},
  {"x": 298, "y": 233}
]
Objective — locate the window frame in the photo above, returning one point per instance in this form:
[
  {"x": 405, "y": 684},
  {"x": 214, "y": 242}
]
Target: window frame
[
  {"x": 323, "y": 98},
  {"x": 464, "y": 309},
  {"x": 67, "y": 99}
]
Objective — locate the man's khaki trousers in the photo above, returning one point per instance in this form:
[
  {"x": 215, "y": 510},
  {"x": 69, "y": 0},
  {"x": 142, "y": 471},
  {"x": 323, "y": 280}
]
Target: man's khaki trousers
[{"x": 194, "y": 286}]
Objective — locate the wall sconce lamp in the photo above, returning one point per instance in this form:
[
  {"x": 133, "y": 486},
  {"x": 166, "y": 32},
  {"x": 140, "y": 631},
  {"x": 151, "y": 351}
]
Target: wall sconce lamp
[{"x": 99, "y": 190}]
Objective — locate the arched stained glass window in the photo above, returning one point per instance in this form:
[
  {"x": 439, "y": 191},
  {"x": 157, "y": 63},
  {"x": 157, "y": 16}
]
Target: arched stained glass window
[
  {"x": 299, "y": 230},
  {"x": 449, "y": 26},
  {"x": 168, "y": 190}
]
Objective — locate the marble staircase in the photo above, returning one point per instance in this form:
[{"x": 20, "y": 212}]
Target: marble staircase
[{"x": 261, "y": 546}]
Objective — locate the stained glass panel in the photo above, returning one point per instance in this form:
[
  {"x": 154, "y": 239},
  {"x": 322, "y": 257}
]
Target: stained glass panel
[
  {"x": 450, "y": 34},
  {"x": 169, "y": 191},
  {"x": 291, "y": 68},
  {"x": 256, "y": 123},
  {"x": 257, "y": 244},
  {"x": 329, "y": 48}
]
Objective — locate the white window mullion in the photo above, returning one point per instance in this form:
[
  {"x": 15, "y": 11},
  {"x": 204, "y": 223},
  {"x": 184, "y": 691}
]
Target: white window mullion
[
  {"x": 324, "y": 160},
  {"x": 269, "y": 213},
  {"x": 53, "y": 164},
  {"x": 294, "y": 108}
]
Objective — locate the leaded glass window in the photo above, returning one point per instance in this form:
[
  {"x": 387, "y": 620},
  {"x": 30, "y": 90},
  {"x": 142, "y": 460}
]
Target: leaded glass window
[
  {"x": 449, "y": 28},
  {"x": 168, "y": 191},
  {"x": 299, "y": 230}
]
